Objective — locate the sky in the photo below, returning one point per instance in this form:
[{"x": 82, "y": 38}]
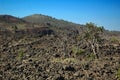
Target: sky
[{"x": 101, "y": 12}]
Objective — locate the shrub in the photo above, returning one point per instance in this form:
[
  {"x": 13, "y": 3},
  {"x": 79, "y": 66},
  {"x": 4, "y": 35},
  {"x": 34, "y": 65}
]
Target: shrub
[
  {"x": 20, "y": 54},
  {"x": 92, "y": 36},
  {"x": 118, "y": 74},
  {"x": 91, "y": 56},
  {"x": 78, "y": 51},
  {"x": 114, "y": 40}
]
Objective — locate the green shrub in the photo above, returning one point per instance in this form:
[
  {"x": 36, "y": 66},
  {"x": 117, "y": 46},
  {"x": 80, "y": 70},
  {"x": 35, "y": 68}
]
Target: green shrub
[
  {"x": 20, "y": 54},
  {"x": 78, "y": 51},
  {"x": 118, "y": 73},
  {"x": 91, "y": 56},
  {"x": 114, "y": 40}
]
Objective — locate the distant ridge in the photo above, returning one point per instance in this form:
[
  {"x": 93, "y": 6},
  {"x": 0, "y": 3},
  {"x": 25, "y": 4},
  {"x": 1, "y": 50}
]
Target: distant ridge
[
  {"x": 39, "y": 18},
  {"x": 8, "y": 22},
  {"x": 9, "y": 18}
]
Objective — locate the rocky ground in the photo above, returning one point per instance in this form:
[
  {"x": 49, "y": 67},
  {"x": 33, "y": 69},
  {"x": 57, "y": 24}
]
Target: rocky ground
[
  {"x": 50, "y": 58},
  {"x": 53, "y": 54}
]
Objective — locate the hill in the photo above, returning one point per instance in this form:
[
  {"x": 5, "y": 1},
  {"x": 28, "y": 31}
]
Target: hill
[
  {"x": 40, "y": 47},
  {"x": 39, "y": 18},
  {"x": 10, "y": 19},
  {"x": 60, "y": 26}
]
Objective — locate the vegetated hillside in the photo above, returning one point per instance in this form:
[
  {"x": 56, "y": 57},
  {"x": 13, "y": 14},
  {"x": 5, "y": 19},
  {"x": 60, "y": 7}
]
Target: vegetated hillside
[
  {"x": 50, "y": 49},
  {"x": 60, "y": 26},
  {"x": 9, "y": 22},
  {"x": 20, "y": 27},
  {"x": 10, "y": 19},
  {"x": 39, "y": 18}
]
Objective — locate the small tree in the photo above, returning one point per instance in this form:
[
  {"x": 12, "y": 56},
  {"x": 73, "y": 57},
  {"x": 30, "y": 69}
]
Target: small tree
[{"x": 92, "y": 36}]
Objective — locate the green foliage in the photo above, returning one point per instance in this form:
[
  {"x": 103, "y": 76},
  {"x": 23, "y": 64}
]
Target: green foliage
[
  {"x": 92, "y": 31},
  {"x": 15, "y": 28},
  {"x": 91, "y": 56},
  {"x": 74, "y": 49},
  {"x": 92, "y": 36},
  {"x": 118, "y": 73},
  {"x": 114, "y": 40},
  {"x": 78, "y": 51},
  {"x": 20, "y": 54},
  {"x": 65, "y": 61}
]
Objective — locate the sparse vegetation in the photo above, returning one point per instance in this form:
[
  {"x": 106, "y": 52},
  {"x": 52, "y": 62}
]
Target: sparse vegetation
[
  {"x": 92, "y": 36},
  {"x": 65, "y": 61},
  {"x": 78, "y": 51},
  {"x": 91, "y": 56},
  {"x": 114, "y": 40},
  {"x": 20, "y": 54},
  {"x": 64, "y": 51},
  {"x": 118, "y": 73},
  {"x": 15, "y": 28}
]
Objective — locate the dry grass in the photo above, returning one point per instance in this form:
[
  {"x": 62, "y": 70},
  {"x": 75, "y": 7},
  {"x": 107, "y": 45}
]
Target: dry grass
[{"x": 65, "y": 61}]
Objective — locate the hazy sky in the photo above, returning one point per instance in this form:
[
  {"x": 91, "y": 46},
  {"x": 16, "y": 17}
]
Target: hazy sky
[{"x": 102, "y": 12}]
